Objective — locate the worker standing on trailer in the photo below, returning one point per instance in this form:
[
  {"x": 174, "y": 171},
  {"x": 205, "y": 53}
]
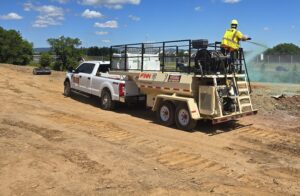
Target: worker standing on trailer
[
  {"x": 232, "y": 37},
  {"x": 231, "y": 43}
]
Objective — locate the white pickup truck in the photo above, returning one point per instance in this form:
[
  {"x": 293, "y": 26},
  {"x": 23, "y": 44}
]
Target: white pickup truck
[{"x": 93, "y": 78}]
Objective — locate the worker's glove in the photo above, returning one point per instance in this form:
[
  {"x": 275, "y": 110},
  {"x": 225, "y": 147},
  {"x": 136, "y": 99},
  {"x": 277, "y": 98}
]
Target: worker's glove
[{"x": 249, "y": 38}]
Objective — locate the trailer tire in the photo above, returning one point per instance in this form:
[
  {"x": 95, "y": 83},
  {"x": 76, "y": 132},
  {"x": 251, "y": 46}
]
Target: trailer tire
[
  {"x": 166, "y": 113},
  {"x": 106, "y": 101},
  {"x": 67, "y": 89},
  {"x": 183, "y": 118}
]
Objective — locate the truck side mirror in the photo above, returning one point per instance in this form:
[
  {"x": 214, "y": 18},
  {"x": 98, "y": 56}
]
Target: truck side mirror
[{"x": 70, "y": 70}]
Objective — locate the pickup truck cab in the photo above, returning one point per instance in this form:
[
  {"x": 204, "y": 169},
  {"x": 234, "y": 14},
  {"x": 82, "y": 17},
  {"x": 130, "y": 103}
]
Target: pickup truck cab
[{"x": 93, "y": 78}]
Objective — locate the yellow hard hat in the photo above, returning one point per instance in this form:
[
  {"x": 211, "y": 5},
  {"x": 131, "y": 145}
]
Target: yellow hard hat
[{"x": 234, "y": 22}]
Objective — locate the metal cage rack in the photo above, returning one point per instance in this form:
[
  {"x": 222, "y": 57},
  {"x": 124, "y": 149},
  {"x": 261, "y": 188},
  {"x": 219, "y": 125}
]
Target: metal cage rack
[{"x": 173, "y": 56}]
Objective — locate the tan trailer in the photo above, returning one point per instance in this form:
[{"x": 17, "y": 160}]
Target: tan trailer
[{"x": 184, "y": 97}]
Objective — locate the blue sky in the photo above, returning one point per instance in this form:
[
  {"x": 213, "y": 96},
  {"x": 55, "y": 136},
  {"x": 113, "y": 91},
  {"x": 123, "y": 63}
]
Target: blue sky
[{"x": 109, "y": 22}]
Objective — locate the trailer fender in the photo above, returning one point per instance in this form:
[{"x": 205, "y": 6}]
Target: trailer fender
[{"x": 191, "y": 103}]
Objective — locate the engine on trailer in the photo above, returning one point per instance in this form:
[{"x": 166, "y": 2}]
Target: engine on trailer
[
  {"x": 227, "y": 97},
  {"x": 209, "y": 61}
]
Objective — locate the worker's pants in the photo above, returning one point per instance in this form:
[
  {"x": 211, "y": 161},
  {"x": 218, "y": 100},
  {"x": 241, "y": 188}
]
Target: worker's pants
[{"x": 231, "y": 60}]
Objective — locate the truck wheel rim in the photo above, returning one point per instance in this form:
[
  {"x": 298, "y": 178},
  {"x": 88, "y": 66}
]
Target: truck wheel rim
[
  {"x": 164, "y": 113},
  {"x": 105, "y": 100},
  {"x": 183, "y": 117}
]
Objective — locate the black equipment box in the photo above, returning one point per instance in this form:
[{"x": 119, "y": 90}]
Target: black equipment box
[{"x": 200, "y": 44}]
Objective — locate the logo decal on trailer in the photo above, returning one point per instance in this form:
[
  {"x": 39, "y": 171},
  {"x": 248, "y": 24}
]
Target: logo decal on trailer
[
  {"x": 154, "y": 76},
  {"x": 145, "y": 76},
  {"x": 174, "y": 78}
]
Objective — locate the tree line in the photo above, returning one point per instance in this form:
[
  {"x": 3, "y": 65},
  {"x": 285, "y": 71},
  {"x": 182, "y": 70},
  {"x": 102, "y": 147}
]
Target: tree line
[{"x": 284, "y": 49}]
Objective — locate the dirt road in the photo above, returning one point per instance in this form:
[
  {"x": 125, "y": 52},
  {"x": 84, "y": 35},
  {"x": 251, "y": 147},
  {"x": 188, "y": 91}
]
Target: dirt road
[{"x": 53, "y": 145}]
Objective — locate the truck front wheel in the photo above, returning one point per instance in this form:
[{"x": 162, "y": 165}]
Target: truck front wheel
[
  {"x": 165, "y": 113},
  {"x": 67, "y": 89},
  {"x": 106, "y": 101},
  {"x": 183, "y": 118}
]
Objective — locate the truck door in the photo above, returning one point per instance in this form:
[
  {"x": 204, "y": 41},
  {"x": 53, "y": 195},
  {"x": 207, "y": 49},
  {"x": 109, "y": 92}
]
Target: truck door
[{"x": 84, "y": 73}]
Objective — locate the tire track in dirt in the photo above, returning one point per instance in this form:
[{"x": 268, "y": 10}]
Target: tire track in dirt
[
  {"x": 48, "y": 134},
  {"x": 7, "y": 133},
  {"x": 281, "y": 145},
  {"x": 102, "y": 129},
  {"x": 258, "y": 133},
  {"x": 81, "y": 159},
  {"x": 76, "y": 157},
  {"x": 179, "y": 160}
]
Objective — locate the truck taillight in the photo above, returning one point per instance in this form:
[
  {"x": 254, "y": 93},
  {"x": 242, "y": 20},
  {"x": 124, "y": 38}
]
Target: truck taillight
[{"x": 121, "y": 90}]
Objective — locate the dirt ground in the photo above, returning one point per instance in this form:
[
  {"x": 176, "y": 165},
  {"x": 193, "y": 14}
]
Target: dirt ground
[{"x": 53, "y": 145}]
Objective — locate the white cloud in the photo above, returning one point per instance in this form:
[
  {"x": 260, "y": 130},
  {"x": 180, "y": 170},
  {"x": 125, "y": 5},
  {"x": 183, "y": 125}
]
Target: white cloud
[
  {"x": 11, "y": 16},
  {"x": 109, "y": 24},
  {"x": 198, "y": 8},
  {"x": 114, "y": 4},
  {"x": 45, "y": 21},
  {"x": 266, "y": 28},
  {"x": 49, "y": 15},
  {"x": 61, "y": 1},
  {"x": 232, "y": 1},
  {"x": 134, "y": 18},
  {"x": 91, "y": 14},
  {"x": 116, "y": 7},
  {"x": 106, "y": 41},
  {"x": 101, "y": 32}
]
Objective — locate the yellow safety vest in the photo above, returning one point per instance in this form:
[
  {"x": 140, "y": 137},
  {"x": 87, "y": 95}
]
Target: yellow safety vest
[{"x": 231, "y": 39}]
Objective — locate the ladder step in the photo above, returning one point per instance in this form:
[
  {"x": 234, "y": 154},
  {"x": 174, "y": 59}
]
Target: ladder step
[
  {"x": 241, "y": 82},
  {"x": 246, "y": 105},
  {"x": 243, "y": 90},
  {"x": 240, "y": 75},
  {"x": 244, "y": 97}
]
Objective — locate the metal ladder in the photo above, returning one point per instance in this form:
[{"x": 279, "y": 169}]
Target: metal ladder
[{"x": 243, "y": 93}]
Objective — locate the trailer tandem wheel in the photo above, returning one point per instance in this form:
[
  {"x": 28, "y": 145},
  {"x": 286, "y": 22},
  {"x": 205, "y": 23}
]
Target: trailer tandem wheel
[
  {"x": 183, "y": 118},
  {"x": 166, "y": 113}
]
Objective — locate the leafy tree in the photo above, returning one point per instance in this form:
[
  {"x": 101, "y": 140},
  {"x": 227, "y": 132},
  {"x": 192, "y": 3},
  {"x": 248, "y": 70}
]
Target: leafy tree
[
  {"x": 284, "y": 49},
  {"x": 13, "y": 48},
  {"x": 66, "y": 50},
  {"x": 45, "y": 60},
  {"x": 96, "y": 51}
]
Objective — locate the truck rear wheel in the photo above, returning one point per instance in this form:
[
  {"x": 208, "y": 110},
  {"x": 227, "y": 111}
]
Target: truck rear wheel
[
  {"x": 183, "y": 118},
  {"x": 67, "y": 89},
  {"x": 165, "y": 113},
  {"x": 106, "y": 101}
]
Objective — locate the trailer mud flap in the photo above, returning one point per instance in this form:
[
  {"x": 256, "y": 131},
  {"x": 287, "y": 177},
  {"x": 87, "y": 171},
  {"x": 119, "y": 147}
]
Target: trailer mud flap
[{"x": 233, "y": 117}]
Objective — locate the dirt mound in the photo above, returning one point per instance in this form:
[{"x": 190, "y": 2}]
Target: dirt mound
[{"x": 290, "y": 104}]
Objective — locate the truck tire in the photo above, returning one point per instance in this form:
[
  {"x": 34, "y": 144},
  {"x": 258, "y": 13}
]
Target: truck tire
[
  {"x": 106, "y": 101},
  {"x": 67, "y": 89},
  {"x": 183, "y": 118},
  {"x": 166, "y": 113}
]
